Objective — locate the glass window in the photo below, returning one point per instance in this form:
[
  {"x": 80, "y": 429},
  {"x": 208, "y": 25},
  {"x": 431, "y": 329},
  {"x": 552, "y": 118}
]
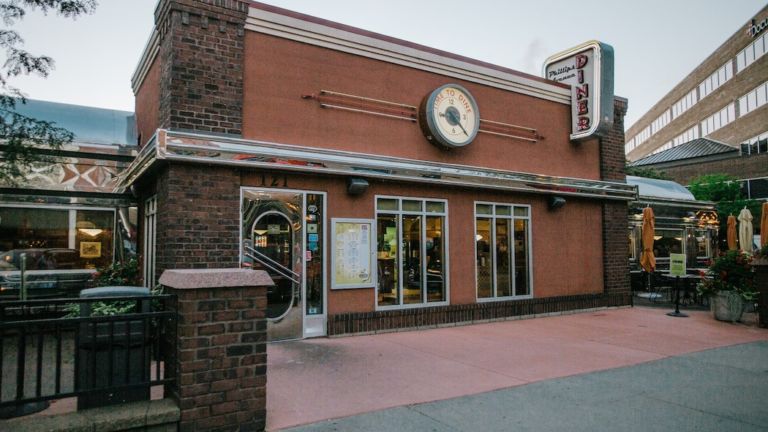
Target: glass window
[
  {"x": 483, "y": 257},
  {"x": 666, "y": 241},
  {"x": 435, "y": 247},
  {"x": 740, "y": 61},
  {"x": 387, "y": 204},
  {"x": 435, "y": 207},
  {"x": 412, "y": 206},
  {"x": 502, "y": 254},
  {"x": 702, "y": 243},
  {"x": 93, "y": 238},
  {"x": 411, "y": 252},
  {"x": 388, "y": 259},
  {"x": 57, "y": 243},
  {"x": 485, "y": 209},
  {"x": 503, "y": 210},
  {"x": 761, "y": 96}
]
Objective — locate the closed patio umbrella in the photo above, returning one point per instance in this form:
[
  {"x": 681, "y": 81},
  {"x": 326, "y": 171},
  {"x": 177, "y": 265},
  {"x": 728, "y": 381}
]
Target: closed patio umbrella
[
  {"x": 731, "y": 232},
  {"x": 764, "y": 225},
  {"x": 647, "y": 260},
  {"x": 745, "y": 230}
]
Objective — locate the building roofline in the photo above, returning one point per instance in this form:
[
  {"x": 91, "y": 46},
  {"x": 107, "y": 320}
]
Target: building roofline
[
  {"x": 652, "y": 113},
  {"x": 293, "y": 25},
  {"x": 396, "y": 41}
]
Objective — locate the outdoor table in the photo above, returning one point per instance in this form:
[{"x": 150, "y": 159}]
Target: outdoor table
[{"x": 676, "y": 313}]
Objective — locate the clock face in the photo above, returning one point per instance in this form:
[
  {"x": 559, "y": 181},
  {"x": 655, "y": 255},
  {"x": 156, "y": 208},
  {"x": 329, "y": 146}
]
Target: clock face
[{"x": 449, "y": 116}]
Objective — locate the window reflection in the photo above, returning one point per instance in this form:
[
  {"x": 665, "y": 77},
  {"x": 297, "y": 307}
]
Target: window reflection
[
  {"x": 483, "y": 259},
  {"x": 411, "y": 251},
  {"x": 502, "y": 254},
  {"x": 386, "y": 229}
]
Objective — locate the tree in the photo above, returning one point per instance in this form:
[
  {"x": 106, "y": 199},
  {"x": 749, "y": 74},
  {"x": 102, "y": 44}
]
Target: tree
[
  {"x": 725, "y": 191},
  {"x": 646, "y": 172},
  {"x": 22, "y": 136}
]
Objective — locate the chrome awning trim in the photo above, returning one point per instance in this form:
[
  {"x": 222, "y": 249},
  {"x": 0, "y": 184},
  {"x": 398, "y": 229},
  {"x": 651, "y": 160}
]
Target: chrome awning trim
[
  {"x": 209, "y": 149},
  {"x": 146, "y": 157},
  {"x": 41, "y": 198}
]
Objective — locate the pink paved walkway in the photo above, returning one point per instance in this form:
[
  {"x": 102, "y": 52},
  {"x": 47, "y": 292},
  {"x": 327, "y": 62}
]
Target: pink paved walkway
[{"x": 318, "y": 379}]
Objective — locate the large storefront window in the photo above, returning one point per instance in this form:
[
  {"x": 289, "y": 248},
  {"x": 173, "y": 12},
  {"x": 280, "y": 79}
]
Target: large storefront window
[
  {"x": 62, "y": 247},
  {"x": 411, "y": 251},
  {"x": 502, "y": 251}
]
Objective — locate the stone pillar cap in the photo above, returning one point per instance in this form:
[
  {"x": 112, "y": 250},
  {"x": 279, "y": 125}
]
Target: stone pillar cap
[{"x": 215, "y": 278}]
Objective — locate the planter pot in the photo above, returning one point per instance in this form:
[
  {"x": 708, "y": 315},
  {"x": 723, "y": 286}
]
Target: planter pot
[{"x": 727, "y": 306}]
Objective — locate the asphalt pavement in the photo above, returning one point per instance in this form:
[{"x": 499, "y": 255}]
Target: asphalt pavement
[{"x": 722, "y": 389}]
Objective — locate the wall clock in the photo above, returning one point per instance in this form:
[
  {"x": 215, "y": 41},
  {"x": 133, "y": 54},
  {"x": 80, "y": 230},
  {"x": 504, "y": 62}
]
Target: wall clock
[{"x": 449, "y": 117}]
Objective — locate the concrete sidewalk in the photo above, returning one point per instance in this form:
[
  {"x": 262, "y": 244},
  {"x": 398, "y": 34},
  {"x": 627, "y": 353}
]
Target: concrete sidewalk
[
  {"x": 314, "y": 380},
  {"x": 717, "y": 390}
]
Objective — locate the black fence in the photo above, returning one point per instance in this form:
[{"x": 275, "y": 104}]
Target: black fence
[{"x": 61, "y": 348}]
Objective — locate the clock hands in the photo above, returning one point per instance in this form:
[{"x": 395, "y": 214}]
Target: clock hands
[{"x": 453, "y": 118}]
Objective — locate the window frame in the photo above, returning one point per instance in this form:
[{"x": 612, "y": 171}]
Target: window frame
[
  {"x": 399, "y": 213},
  {"x": 493, "y": 217}
]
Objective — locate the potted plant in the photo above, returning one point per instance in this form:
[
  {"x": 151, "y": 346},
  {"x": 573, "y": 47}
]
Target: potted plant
[{"x": 729, "y": 284}]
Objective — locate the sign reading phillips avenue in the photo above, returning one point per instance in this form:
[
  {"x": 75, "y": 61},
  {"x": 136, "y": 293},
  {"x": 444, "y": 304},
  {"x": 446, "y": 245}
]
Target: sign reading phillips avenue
[{"x": 588, "y": 68}]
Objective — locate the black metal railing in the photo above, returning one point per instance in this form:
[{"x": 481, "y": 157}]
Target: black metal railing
[{"x": 60, "y": 348}]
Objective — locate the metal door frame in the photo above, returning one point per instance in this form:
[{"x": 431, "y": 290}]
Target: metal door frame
[{"x": 324, "y": 315}]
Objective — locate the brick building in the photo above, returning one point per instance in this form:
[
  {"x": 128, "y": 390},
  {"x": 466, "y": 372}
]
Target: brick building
[
  {"x": 277, "y": 140},
  {"x": 722, "y": 99}
]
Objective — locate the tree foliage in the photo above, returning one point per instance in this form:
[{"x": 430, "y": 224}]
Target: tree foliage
[
  {"x": 726, "y": 192},
  {"x": 20, "y": 134},
  {"x": 646, "y": 172}
]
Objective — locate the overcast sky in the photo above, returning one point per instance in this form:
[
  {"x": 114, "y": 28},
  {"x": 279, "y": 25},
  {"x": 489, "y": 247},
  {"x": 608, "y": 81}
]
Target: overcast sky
[{"x": 656, "y": 42}]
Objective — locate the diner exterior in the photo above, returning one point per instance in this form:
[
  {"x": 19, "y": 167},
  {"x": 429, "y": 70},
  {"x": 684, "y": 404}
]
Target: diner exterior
[{"x": 275, "y": 140}]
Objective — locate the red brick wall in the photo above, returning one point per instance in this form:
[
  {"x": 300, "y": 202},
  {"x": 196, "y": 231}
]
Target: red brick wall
[
  {"x": 615, "y": 262},
  {"x": 201, "y": 76},
  {"x": 279, "y": 71},
  {"x": 197, "y": 217},
  {"x": 148, "y": 103},
  {"x": 221, "y": 358}
]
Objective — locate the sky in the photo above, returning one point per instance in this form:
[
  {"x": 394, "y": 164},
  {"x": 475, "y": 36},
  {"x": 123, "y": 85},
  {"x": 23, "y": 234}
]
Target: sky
[{"x": 656, "y": 42}]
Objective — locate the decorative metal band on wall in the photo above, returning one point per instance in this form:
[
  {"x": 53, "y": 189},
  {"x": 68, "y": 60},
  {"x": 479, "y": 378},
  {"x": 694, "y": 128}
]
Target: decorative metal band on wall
[
  {"x": 441, "y": 316},
  {"x": 75, "y": 168},
  {"x": 217, "y": 150}
]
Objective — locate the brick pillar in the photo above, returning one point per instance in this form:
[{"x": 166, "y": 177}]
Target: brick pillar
[
  {"x": 201, "y": 75},
  {"x": 221, "y": 357},
  {"x": 615, "y": 261},
  {"x": 198, "y": 212}
]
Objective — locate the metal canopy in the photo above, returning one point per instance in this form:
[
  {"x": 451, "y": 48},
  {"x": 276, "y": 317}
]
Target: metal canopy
[
  {"x": 665, "y": 189},
  {"x": 219, "y": 150}
]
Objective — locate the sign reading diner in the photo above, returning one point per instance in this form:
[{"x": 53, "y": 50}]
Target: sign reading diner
[{"x": 588, "y": 68}]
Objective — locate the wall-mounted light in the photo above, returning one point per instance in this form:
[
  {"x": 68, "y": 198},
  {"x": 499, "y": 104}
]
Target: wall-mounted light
[
  {"x": 356, "y": 186},
  {"x": 555, "y": 202}
]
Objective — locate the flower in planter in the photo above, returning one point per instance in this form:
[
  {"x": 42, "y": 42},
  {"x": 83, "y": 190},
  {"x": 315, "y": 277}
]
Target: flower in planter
[{"x": 730, "y": 272}]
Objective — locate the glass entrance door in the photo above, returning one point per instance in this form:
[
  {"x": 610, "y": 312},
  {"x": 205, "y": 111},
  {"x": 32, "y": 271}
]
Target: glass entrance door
[{"x": 283, "y": 235}]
